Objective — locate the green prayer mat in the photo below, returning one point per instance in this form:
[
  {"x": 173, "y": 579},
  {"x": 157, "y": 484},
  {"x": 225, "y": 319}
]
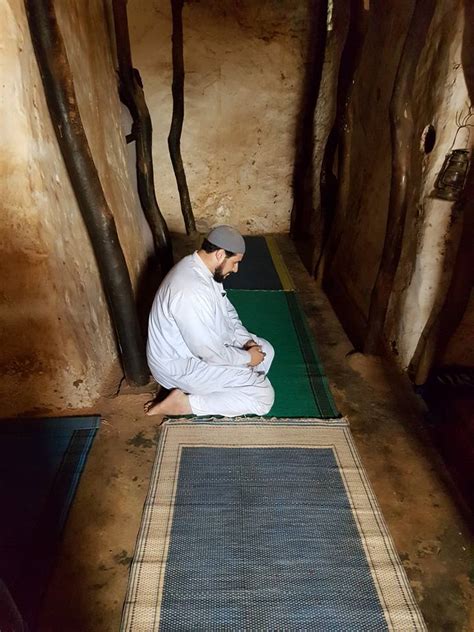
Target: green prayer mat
[{"x": 297, "y": 375}]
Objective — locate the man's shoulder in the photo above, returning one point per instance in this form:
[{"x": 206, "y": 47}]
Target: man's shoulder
[{"x": 186, "y": 277}]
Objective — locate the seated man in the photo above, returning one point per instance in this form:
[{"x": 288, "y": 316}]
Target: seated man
[{"x": 197, "y": 344}]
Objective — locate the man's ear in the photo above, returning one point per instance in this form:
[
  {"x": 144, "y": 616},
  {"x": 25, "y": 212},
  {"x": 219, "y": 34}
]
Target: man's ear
[{"x": 220, "y": 255}]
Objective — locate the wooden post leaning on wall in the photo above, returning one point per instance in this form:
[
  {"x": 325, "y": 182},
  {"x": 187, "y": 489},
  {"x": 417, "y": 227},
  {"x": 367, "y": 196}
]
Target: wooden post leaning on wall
[
  {"x": 303, "y": 166},
  {"x": 64, "y": 111},
  {"x": 132, "y": 95},
  {"x": 402, "y": 136},
  {"x": 174, "y": 138}
]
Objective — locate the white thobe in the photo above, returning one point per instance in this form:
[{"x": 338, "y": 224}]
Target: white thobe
[{"x": 195, "y": 341}]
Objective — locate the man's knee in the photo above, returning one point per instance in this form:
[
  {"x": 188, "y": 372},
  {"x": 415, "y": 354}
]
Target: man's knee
[
  {"x": 265, "y": 400},
  {"x": 269, "y": 352}
]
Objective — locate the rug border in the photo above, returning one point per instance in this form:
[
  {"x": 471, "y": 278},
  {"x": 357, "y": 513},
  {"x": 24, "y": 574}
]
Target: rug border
[
  {"x": 405, "y": 592},
  {"x": 279, "y": 264},
  {"x": 311, "y": 356}
]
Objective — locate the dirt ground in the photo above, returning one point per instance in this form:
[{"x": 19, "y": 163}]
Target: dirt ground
[{"x": 413, "y": 488}]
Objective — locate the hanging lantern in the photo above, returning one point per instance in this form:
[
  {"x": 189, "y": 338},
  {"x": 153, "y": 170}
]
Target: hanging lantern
[{"x": 450, "y": 181}]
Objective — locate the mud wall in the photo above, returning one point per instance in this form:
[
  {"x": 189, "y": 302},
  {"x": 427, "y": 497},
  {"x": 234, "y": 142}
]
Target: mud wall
[
  {"x": 433, "y": 228},
  {"x": 244, "y": 64},
  {"x": 431, "y": 233},
  {"x": 57, "y": 343}
]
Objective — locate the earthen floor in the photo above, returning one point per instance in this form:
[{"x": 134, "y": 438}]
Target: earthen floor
[{"x": 88, "y": 586}]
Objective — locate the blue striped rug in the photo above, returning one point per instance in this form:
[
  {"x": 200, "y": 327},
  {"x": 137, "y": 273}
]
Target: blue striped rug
[
  {"x": 264, "y": 525},
  {"x": 41, "y": 461}
]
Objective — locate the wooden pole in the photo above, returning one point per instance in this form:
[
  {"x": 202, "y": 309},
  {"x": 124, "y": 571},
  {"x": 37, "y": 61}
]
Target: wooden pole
[
  {"x": 330, "y": 182},
  {"x": 402, "y": 135},
  {"x": 98, "y": 218},
  {"x": 174, "y": 138},
  {"x": 133, "y": 96},
  {"x": 303, "y": 167}
]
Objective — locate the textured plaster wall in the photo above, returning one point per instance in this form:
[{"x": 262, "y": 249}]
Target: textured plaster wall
[
  {"x": 244, "y": 69},
  {"x": 56, "y": 337},
  {"x": 364, "y": 186},
  {"x": 432, "y": 232}
]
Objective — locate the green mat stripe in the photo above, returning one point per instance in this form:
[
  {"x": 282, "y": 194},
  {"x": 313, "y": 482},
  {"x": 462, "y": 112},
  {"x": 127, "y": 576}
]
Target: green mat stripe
[
  {"x": 317, "y": 377},
  {"x": 297, "y": 374}
]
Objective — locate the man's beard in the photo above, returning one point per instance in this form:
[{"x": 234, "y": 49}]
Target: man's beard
[{"x": 218, "y": 276}]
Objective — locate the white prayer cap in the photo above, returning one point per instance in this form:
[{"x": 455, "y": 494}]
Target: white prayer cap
[{"x": 228, "y": 238}]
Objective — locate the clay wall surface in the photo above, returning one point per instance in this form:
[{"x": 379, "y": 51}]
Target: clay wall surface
[
  {"x": 431, "y": 232},
  {"x": 244, "y": 64},
  {"x": 432, "y": 228},
  {"x": 56, "y": 338}
]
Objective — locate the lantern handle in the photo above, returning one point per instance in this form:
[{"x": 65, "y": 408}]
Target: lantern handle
[{"x": 463, "y": 123}]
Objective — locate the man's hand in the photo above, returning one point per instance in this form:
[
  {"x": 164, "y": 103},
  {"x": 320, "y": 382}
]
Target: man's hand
[
  {"x": 256, "y": 355},
  {"x": 249, "y": 344}
]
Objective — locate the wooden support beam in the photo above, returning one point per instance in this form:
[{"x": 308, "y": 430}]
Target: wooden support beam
[
  {"x": 335, "y": 143},
  {"x": 174, "y": 138},
  {"x": 133, "y": 96},
  {"x": 62, "y": 103},
  {"x": 402, "y": 136},
  {"x": 303, "y": 167}
]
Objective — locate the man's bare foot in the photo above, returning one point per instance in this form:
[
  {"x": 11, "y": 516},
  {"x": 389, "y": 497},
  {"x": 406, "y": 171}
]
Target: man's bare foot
[{"x": 177, "y": 403}]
